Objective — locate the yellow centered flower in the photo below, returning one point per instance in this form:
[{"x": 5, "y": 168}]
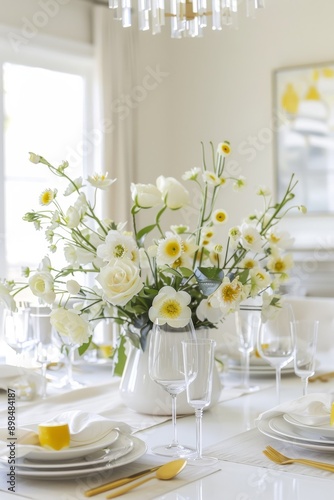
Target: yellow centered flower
[
  {"x": 230, "y": 293},
  {"x": 225, "y": 148},
  {"x": 46, "y": 197},
  {"x": 222, "y": 181},
  {"x": 170, "y": 309},
  {"x": 249, "y": 264},
  {"x": 173, "y": 248},
  {"x": 220, "y": 216},
  {"x": 119, "y": 251},
  {"x": 249, "y": 238},
  {"x": 279, "y": 266},
  {"x": 274, "y": 239}
]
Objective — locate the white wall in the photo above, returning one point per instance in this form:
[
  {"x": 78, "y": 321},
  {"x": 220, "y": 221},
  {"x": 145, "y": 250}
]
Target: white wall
[
  {"x": 215, "y": 88},
  {"x": 70, "y": 19},
  {"x": 219, "y": 87}
]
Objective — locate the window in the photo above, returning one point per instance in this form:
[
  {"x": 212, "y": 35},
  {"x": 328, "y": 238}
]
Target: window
[{"x": 44, "y": 110}]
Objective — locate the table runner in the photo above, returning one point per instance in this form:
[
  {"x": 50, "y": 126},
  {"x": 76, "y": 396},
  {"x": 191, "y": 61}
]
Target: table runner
[
  {"x": 74, "y": 489},
  {"x": 246, "y": 448}
]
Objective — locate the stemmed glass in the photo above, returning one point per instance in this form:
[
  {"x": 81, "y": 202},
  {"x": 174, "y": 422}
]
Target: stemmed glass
[
  {"x": 46, "y": 351},
  {"x": 275, "y": 341},
  {"x": 247, "y": 321},
  {"x": 198, "y": 365},
  {"x": 305, "y": 335},
  {"x": 17, "y": 332},
  {"x": 166, "y": 368}
]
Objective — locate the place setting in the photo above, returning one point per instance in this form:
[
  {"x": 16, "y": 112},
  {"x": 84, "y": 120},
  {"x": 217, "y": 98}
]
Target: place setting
[
  {"x": 72, "y": 444},
  {"x": 306, "y": 422}
]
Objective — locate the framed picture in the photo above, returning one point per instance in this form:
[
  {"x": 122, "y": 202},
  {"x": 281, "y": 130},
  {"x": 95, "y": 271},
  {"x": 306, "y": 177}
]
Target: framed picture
[{"x": 304, "y": 110}]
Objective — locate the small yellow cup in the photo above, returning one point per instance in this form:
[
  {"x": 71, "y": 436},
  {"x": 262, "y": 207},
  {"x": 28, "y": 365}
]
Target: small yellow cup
[{"x": 54, "y": 436}]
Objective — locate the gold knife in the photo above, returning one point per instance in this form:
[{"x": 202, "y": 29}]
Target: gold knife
[{"x": 119, "y": 482}]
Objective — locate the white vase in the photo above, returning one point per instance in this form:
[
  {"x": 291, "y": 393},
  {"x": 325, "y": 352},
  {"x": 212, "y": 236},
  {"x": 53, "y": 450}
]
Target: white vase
[{"x": 140, "y": 393}]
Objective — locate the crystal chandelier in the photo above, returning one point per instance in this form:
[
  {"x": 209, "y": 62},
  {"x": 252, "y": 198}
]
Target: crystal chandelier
[{"x": 187, "y": 17}]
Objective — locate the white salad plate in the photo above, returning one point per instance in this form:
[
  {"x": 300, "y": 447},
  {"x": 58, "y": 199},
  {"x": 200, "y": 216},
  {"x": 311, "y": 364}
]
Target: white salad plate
[
  {"x": 325, "y": 430},
  {"x": 264, "y": 427},
  {"x": 281, "y": 426},
  {"x": 121, "y": 447},
  {"x": 43, "y": 454},
  {"x": 138, "y": 449}
]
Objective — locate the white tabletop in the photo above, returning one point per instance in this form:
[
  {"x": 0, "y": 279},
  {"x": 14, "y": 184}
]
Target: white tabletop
[{"x": 230, "y": 479}]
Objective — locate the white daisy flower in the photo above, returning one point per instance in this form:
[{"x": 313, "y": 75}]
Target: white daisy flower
[{"x": 170, "y": 307}]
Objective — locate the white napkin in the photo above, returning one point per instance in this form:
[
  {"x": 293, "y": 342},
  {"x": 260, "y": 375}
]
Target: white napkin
[
  {"x": 312, "y": 409},
  {"x": 12, "y": 377},
  {"x": 85, "y": 428}
]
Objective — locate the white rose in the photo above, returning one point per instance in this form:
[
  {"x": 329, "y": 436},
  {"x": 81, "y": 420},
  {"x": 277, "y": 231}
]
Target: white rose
[
  {"x": 173, "y": 193},
  {"x": 120, "y": 281},
  {"x": 68, "y": 323},
  {"x": 41, "y": 285},
  {"x": 145, "y": 195}
]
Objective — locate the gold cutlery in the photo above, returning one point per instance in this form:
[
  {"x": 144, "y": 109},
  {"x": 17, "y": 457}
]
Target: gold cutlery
[
  {"x": 120, "y": 482},
  {"x": 278, "y": 458},
  {"x": 164, "y": 472},
  {"x": 322, "y": 377}
]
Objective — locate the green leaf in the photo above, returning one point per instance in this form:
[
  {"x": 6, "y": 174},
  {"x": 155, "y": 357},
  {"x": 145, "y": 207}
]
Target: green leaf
[
  {"x": 143, "y": 232},
  {"x": 121, "y": 358},
  {"x": 83, "y": 348}
]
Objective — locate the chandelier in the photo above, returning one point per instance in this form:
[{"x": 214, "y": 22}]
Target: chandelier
[{"x": 187, "y": 17}]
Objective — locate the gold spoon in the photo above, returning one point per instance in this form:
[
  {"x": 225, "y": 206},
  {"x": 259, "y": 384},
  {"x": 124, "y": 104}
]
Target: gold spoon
[{"x": 165, "y": 472}]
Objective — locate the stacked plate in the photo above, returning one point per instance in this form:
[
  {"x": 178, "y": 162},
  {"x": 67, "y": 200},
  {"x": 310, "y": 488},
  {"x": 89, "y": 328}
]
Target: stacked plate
[
  {"x": 114, "y": 450},
  {"x": 287, "y": 429},
  {"x": 258, "y": 366}
]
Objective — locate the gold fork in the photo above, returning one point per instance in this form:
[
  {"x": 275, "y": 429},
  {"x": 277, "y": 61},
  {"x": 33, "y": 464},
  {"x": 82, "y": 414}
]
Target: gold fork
[{"x": 278, "y": 458}]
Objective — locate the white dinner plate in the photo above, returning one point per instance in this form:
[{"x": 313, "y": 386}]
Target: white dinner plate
[
  {"x": 42, "y": 454},
  {"x": 325, "y": 430},
  {"x": 281, "y": 426},
  {"x": 139, "y": 448},
  {"x": 264, "y": 428},
  {"x": 121, "y": 447}
]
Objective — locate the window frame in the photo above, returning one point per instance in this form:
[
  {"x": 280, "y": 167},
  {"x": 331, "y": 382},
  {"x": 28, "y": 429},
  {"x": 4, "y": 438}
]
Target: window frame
[{"x": 58, "y": 55}]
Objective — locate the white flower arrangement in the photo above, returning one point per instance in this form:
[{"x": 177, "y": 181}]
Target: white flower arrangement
[{"x": 180, "y": 273}]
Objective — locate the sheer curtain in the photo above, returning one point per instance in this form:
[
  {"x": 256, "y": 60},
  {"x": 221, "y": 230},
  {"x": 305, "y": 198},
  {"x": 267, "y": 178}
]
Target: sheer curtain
[{"x": 116, "y": 120}]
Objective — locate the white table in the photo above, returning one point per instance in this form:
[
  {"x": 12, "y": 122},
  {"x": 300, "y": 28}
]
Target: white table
[{"x": 233, "y": 481}]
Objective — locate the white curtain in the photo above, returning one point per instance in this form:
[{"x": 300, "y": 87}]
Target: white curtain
[{"x": 116, "y": 77}]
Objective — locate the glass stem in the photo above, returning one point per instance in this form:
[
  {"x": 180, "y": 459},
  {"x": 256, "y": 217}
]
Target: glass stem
[
  {"x": 70, "y": 357},
  {"x": 246, "y": 356},
  {"x": 278, "y": 384},
  {"x": 44, "y": 367},
  {"x": 199, "y": 442},
  {"x": 174, "y": 441},
  {"x": 305, "y": 384}
]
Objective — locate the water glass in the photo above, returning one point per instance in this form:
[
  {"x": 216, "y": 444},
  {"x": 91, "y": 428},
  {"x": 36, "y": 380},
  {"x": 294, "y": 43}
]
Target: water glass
[
  {"x": 198, "y": 358},
  {"x": 305, "y": 336},
  {"x": 247, "y": 322},
  {"x": 17, "y": 332},
  {"x": 275, "y": 342},
  {"x": 166, "y": 368}
]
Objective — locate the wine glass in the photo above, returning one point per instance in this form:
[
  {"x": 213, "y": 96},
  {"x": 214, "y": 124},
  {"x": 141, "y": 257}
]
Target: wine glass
[
  {"x": 17, "y": 332},
  {"x": 275, "y": 342},
  {"x": 46, "y": 351},
  {"x": 247, "y": 321},
  {"x": 305, "y": 335},
  {"x": 166, "y": 368},
  {"x": 198, "y": 366}
]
